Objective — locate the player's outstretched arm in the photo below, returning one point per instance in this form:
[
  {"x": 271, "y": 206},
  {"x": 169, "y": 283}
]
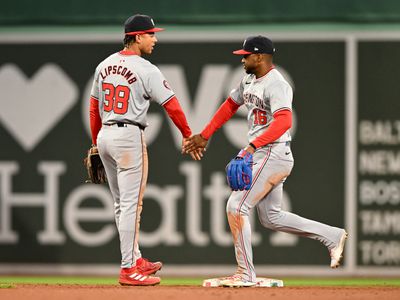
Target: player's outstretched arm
[
  {"x": 176, "y": 114},
  {"x": 222, "y": 115}
]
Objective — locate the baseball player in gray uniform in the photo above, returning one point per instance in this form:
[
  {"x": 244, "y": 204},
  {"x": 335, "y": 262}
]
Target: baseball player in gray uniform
[
  {"x": 124, "y": 84},
  {"x": 268, "y": 98}
]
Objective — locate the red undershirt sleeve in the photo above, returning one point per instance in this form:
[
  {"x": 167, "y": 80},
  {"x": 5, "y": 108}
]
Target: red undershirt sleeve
[
  {"x": 281, "y": 123},
  {"x": 95, "y": 120},
  {"x": 223, "y": 114},
  {"x": 177, "y": 116}
]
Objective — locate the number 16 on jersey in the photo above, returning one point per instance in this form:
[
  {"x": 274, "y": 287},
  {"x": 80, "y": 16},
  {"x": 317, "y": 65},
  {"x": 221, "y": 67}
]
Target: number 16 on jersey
[{"x": 260, "y": 117}]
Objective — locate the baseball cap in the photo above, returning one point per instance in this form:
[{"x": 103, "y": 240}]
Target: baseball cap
[
  {"x": 256, "y": 44},
  {"x": 139, "y": 24}
]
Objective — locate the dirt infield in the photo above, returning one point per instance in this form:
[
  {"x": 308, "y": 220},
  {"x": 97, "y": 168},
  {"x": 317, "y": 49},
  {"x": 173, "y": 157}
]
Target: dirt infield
[{"x": 63, "y": 292}]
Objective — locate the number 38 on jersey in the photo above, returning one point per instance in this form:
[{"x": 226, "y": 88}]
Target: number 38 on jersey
[{"x": 115, "y": 98}]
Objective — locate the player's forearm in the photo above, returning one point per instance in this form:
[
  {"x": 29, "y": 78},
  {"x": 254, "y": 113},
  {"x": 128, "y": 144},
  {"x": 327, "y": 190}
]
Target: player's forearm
[
  {"x": 282, "y": 122},
  {"x": 223, "y": 114},
  {"x": 95, "y": 120},
  {"x": 176, "y": 114}
]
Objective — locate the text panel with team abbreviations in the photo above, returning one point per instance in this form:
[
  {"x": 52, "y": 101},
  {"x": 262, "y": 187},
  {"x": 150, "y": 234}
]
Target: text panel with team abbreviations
[{"x": 378, "y": 205}]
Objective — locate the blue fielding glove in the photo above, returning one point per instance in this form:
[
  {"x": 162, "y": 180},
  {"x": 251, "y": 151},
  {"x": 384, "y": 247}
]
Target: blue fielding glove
[{"x": 239, "y": 171}]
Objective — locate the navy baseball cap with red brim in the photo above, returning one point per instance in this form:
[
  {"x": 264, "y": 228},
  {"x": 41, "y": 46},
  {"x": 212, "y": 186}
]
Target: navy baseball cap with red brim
[
  {"x": 139, "y": 24},
  {"x": 144, "y": 31},
  {"x": 241, "y": 52},
  {"x": 256, "y": 44}
]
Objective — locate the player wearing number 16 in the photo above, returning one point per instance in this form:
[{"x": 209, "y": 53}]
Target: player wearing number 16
[
  {"x": 124, "y": 85},
  {"x": 256, "y": 175}
]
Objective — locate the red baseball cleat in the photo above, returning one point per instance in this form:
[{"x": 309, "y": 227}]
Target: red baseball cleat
[
  {"x": 131, "y": 276},
  {"x": 146, "y": 267}
]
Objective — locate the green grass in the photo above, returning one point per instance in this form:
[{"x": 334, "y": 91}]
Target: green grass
[
  {"x": 366, "y": 282},
  {"x": 9, "y": 282},
  {"x": 4, "y": 280}
]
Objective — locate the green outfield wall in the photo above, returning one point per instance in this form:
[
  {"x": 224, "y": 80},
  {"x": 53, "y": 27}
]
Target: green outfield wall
[
  {"x": 101, "y": 12},
  {"x": 346, "y": 139}
]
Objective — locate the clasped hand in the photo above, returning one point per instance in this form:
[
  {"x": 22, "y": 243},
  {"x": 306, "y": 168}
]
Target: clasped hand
[{"x": 195, "y": 146}]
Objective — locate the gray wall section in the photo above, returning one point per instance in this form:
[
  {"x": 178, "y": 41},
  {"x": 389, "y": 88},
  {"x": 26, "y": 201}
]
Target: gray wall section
[{"x": 198, "y": 12}]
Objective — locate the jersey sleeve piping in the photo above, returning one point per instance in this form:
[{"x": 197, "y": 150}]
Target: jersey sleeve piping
[
  {"x": 168, "y": 99},
  {"x": 234, "y": 101},
  {"x": 282, "y": 108}
]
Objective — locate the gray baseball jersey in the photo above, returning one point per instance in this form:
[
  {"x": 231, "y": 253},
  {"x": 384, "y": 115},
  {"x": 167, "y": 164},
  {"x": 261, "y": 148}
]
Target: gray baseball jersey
[
  {"x": 124, "y": 86},
  {"x": 263, "y": 97},
  {"x": 272, "y": 165}
]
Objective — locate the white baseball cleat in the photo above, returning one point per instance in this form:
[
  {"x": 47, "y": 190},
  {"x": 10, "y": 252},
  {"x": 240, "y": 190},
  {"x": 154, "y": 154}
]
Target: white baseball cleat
[
  {"x": 337, "y": 252},
  {"x": 236, "y": 281}
]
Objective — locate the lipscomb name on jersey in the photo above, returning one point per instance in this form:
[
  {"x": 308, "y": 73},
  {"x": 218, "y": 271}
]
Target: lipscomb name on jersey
[
  {"x": 119, "y": 70},
  {"x": 253, "y": 99}
]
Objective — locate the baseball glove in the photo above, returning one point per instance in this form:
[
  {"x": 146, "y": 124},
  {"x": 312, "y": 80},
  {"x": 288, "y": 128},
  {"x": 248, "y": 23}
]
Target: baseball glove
[
  {"x": 94, "y": 166},
  {"x": 239, "y": 171}
]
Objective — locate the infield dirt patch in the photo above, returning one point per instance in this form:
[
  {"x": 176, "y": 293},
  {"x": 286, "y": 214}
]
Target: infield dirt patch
[{"x": 64, "y": 292}]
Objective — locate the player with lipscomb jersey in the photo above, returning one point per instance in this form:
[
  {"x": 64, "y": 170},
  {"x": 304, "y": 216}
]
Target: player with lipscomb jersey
[
  {"x": 256, "y": 175},
  {"x": 123, "y": 87}
]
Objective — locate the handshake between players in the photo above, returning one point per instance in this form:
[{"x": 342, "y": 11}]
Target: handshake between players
[{"x": 195, "y": 146}]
